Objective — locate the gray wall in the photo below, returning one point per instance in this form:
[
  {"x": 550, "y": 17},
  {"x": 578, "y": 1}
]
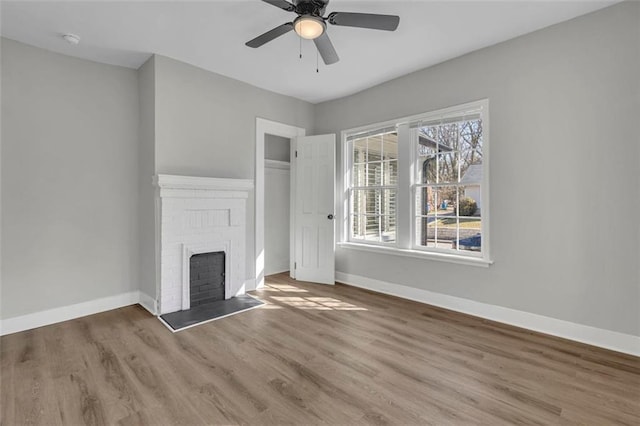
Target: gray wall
[
  {"x": 205, "y": 122},
  {"x": 1, "y": 134},
  {"x": 146, "y": 171},
  {"x": 277, "y": 148},
  {"x": 276, "y": 217},
  {"x": 565, "y": 194},
  {"x": 69, "y": 180},
  {"x": 205, "y": 126}
]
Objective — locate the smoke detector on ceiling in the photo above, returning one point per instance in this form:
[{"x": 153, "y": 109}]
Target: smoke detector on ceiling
[{"x": 71, "y": 38}]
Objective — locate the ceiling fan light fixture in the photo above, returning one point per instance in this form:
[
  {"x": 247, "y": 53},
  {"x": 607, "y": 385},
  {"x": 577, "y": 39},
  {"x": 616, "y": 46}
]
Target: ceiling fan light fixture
[
  {"x": 309, "y": 27},
  {"x": 311, "y": 24}
]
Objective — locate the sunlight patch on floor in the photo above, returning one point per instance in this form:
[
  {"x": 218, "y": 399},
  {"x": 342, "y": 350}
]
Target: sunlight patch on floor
[
  {"x": 283, "y": 287},
  {"x": 270, "y": 305},
  {"x": 318, "y": 303}
]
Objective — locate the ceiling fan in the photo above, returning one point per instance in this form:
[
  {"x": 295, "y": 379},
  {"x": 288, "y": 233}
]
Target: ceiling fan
[{"x": 311, "y": 25}]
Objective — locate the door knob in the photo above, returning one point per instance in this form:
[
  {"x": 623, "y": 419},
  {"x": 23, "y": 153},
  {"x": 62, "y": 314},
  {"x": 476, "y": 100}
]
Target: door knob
[{"x": 330, "y": 217}]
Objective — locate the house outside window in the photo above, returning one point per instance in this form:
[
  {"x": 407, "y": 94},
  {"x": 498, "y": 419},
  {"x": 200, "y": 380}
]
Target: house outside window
[
  {"x": 448, "y": 183},
  {"x": 419, "y": 185}
]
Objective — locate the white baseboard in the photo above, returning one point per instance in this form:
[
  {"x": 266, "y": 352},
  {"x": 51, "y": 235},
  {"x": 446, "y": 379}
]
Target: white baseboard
[
  {"x": 608, "y": 339},
  {"x": 277, "y": 271},
  {"x": 65, "y": 313},
  {"x": 149, "y": 303}
]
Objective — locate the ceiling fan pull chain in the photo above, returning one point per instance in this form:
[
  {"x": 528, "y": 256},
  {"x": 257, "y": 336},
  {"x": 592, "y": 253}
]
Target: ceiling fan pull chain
[
  {"x": 317, "y": 68},
  {"x": 300, "y": 47}
]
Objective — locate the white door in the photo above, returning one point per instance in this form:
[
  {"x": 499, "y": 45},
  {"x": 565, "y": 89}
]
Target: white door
[{"x": 314, "y": 208}]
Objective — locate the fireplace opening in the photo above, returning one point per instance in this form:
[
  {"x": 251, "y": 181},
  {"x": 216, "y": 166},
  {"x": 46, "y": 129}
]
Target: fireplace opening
[{"x": 206, "y": 278}]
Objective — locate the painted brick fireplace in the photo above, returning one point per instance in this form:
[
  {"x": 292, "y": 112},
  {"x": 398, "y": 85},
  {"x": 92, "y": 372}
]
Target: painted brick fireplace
[{"x": 198, "y": 215}]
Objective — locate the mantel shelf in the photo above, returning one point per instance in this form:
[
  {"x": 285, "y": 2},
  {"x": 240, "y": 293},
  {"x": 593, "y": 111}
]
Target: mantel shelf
[{"x": 202, "y": 183}]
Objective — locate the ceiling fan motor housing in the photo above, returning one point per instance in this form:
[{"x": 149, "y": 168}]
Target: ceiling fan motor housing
[{"x": 311, "y": 7}]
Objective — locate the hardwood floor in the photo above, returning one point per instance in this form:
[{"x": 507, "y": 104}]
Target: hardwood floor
[{"x": 314, "y": 354}]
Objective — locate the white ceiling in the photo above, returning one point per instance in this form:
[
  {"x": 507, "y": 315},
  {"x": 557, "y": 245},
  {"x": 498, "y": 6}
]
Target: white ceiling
[{"x": 211, "y": 35}]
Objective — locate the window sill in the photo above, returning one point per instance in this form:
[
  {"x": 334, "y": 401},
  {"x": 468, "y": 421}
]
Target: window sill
[{"x": 443, "y": 257}]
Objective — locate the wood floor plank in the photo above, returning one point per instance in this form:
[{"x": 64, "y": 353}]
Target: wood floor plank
[
  {"x": 313, "y": 354},
  {"x": 30, "y": 397}
]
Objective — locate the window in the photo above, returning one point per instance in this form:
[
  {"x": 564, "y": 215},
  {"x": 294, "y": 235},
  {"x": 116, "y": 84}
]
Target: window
[
  {"x": 436, "y": 164},
  {"x": 374, "y": 180},
  {"x": 448, "y": 184}
]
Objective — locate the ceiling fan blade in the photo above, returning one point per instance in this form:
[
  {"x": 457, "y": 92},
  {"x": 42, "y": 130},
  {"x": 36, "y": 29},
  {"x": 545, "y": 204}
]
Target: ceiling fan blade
[
  {"x": 325, "y": 47},
  {"x": 365, "y": 20},
  {"x": 270, "y": 35},
  {"x": 282, "y": 4}
]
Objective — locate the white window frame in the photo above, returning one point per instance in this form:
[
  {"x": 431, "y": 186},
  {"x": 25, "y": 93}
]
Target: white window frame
[
  {"x": 406, "y": 186},
  {"x": 348, "y": 219}
]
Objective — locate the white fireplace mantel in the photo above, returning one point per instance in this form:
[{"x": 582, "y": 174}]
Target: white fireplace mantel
[
  {"x": 196, "y": 215},
  {"x": 202, "y": 183}
]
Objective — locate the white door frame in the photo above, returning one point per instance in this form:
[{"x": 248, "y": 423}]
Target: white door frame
[{"x": 264, "y": 127}]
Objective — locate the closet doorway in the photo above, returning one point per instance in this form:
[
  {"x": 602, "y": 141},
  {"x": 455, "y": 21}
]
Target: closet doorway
[
  {"x": 277, "y": 201},
  {"x": 291, "y": 133}
]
